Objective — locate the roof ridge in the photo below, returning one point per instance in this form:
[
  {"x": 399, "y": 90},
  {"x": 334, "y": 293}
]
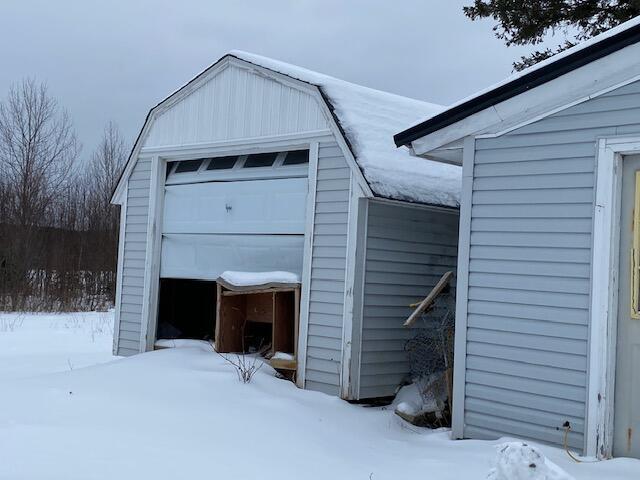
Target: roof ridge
[{"x": 246, "y": 56}]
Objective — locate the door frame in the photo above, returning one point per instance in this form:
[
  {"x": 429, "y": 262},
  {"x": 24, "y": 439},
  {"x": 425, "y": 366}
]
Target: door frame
[
  {"x": 160, "y": 156},
  {"x": 604, "y": 293}
]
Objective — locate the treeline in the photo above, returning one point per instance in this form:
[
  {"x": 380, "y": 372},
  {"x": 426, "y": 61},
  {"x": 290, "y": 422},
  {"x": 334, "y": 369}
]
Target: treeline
[{"x": 58, "y": 231}]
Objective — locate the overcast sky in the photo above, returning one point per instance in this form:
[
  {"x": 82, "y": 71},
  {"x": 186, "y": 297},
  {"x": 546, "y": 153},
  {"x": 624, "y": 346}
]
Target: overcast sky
[{"x": 113, "y": 60}]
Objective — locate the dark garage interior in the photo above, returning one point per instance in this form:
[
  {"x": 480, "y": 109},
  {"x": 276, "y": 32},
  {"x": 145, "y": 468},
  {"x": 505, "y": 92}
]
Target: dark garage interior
[{"x": 187, "y": 309}]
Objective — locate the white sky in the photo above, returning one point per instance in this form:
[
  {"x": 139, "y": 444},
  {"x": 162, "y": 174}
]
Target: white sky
[{"x": 114, "y": 60}]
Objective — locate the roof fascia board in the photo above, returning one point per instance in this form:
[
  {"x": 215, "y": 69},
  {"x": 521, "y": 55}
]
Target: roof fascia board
[
  {"x": 560, "y": 109},
  {"x": 464, "y": 128},
  {"x": 272, "y": 75},
  {"x": 197, "y": 82},
  {"x": 170, "y": 100},
  {"x": 118, "y": 192},
  {"x": 537, "y": 76},
  {"x": 579, "y": 85}
]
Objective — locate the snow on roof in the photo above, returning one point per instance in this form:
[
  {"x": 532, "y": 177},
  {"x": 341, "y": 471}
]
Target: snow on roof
[
  {"x": 570, "y": 51},
  {"x": 369, "y": 118}
]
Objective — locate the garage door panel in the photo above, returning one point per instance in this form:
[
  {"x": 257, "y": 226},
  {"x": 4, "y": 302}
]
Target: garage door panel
[
  {"x": 255, "y": 207},
  {"x": 205, "y": 257}
]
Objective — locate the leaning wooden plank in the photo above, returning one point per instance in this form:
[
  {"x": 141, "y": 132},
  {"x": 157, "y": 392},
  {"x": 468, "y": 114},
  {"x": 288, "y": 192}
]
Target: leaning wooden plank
[{"x": 429, "y": 299}]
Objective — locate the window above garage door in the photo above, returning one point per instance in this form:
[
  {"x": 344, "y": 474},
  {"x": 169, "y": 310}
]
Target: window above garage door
[{"x": 288, "y": 164}]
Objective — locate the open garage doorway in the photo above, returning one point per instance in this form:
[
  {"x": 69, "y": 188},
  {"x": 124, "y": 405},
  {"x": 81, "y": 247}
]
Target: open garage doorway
[{"x": 187, "y": 309}]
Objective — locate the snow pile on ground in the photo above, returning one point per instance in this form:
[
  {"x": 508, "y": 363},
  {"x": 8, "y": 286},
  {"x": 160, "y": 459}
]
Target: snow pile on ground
[
  {"x": 36, "y": 344},
  {"x": 370, "y": 118},
  {"x": 182, "y": 413},
  {"x": 520, "y": 461},
  {"x": 248, "y": 279},
  {"x": 183, "y": 343},
  {"x": 426, "y": 395},
  {"x": 409, "y": 400}
]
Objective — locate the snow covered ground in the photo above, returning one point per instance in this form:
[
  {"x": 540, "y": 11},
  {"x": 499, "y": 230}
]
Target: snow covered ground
[{"x": 69, "y": 410}]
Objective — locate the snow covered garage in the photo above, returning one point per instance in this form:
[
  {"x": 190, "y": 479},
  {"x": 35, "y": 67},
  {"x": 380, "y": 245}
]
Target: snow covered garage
[{"x": 257, "y": 166}]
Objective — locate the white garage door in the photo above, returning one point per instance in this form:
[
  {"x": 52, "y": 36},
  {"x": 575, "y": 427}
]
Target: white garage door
[
  {"x": 246, "y": 225},
  {"x": 257, "y": 207},
  {"x": 205, "y": 257}
]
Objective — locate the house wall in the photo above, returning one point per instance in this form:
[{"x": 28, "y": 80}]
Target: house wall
[
  {"x": 529, "y": 271},
  {"x": 407, "y": 250},
  {"x": 328, "y": 270},
  {"x": 134, "y": 254}
]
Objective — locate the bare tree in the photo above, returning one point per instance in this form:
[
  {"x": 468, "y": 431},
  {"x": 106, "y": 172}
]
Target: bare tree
[
  {"x": 58, "y": 230},
  {"x": 38, "y": 148},
  {"x": 103, "y": 174},
  {"x": 102, "y": 218}
]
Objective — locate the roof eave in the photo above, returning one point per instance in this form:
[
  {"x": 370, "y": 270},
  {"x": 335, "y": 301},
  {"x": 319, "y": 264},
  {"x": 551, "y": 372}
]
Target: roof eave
[{"x": 521, "y": 85}]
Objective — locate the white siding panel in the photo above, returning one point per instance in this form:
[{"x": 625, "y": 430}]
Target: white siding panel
[
  {"x": 134, "y": 257},
  {"x": 529, "y": 281},
  {"x": 328, "y": 271},
  {"x": 236, "y": 103}
]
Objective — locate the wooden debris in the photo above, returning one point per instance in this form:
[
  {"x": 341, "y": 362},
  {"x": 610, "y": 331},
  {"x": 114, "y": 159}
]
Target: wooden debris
[
  {"x": 427, "y": 303},
  {"x": 240, "y": 309}
]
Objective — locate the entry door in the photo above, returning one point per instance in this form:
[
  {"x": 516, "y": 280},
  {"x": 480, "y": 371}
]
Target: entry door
[{"x": 627, "y": 394}]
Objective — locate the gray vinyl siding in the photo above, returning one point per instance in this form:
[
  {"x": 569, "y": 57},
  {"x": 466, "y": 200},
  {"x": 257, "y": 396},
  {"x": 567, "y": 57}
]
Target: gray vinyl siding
[
  {"x": 328, "y": 270},
  {"x": 407, "y": 251},
  {"x": 135, "y": 242},
  {"x": 529, "y": 271}
]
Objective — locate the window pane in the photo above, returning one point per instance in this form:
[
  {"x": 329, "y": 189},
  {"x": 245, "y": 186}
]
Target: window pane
[
  {"x": 296, "y": 157},
  {"x": 222, "y": 163},
  {"x": 189, "y": 166},
  {"x": 260, "y": 160}
]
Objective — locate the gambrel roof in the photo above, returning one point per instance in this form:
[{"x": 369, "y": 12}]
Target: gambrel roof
[{"x": 367, "y": 120}]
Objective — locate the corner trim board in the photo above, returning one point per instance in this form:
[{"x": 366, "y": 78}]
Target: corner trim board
[
  {"x": 303, "y": 328},
  {"x": 119, "y": 271},
  {"x": 359, "y": 279},
  {"x": 346, "y": 391},
  {"x": 464, "y": 243},
  {"x": 152, "y": 258}
]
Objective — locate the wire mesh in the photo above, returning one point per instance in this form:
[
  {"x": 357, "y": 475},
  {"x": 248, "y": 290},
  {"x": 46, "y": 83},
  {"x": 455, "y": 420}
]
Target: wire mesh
[{"x": 430, "y": 355}]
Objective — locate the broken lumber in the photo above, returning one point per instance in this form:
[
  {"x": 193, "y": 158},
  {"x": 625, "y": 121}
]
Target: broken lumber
[{"x": 429, "y": 299}]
